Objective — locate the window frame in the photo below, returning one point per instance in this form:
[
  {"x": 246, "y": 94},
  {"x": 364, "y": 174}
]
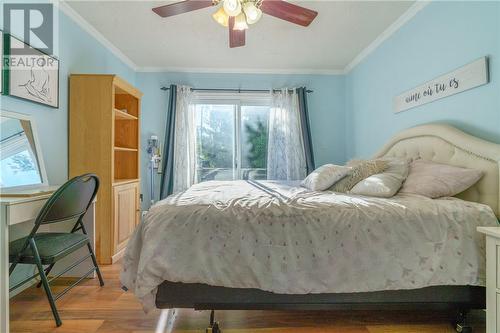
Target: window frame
[{"x": 237, "y": 99}]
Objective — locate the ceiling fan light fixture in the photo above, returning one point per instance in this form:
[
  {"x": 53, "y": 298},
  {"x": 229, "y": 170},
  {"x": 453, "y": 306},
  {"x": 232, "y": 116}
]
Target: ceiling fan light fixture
[
  {"x": 252, "y": 13},
  {"x": 232, "y": 7},
  {"x": 236, "y": 15},
  {"x": 240, "y": 22},
  {"x": 221, "y": 17}
]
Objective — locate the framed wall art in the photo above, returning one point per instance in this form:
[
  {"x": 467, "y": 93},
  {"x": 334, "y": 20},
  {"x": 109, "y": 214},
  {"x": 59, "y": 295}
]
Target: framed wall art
[{"x": 31, "y": 74}]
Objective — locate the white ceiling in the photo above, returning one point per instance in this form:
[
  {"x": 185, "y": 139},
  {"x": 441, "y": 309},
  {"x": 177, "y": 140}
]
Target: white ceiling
[{"x": 193, "y": 41}]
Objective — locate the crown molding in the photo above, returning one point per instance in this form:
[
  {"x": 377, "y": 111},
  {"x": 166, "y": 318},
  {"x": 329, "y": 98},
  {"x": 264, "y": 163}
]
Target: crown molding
[
  {"x": 242, "y": 70},
  {"x": 395, "y": 26},
  {"x": 85, "y": 25}
]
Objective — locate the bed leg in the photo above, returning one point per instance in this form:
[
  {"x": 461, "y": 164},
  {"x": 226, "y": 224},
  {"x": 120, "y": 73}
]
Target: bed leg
[
  {"x": 213, "y": 326},
  {"x": 461, "y": 325}
]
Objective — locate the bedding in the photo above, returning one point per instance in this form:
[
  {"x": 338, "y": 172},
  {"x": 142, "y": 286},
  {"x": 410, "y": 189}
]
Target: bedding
[
  {"x": 435, "y": 180},
  {"x": 283, "y": 238}
]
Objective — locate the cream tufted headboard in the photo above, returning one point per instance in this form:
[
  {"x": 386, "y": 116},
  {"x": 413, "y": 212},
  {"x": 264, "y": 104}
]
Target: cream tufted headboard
[{"x": 446, "y": 144}]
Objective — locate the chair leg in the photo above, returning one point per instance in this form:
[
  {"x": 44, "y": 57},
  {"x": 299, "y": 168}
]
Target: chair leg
[
  {"x": 94, "y": 260},
  {"x": 45, "y": 283},
  {"x": 47, "y": 271}
]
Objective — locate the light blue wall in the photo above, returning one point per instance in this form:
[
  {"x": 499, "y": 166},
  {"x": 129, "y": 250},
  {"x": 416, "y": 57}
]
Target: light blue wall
[
  {"x": 326, "y": 107},
  {"x": 440, "y": 38},
  {"x": 79, "y": 52}
]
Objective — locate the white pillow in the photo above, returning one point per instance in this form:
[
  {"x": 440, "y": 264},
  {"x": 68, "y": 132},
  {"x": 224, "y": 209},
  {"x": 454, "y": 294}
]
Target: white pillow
[
  {"x": 325, "y": 176},
  {"x": 435, "y": 180},
  {"x": 361, "y": 169},
  {"x": 385, "y": 184}
]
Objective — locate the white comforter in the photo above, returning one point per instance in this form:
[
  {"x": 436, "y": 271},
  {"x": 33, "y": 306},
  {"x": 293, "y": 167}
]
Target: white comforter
[{"x": 285, "y": 239}]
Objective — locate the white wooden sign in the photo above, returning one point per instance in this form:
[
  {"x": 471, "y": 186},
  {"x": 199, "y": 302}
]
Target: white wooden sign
[{"x": 467, "y": 77}]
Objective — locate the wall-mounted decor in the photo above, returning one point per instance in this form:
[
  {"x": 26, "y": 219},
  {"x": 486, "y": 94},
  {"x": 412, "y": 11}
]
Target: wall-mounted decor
[
  {"x": 32, "y": 75},
  {"x": 467, "y": 77}
]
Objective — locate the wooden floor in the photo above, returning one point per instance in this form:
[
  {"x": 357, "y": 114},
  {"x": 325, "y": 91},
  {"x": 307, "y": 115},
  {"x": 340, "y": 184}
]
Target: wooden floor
[{"x": 89, "y": 308}]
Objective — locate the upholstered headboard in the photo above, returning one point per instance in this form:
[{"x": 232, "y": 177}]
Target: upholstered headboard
[{"x": 446, "y": 144}]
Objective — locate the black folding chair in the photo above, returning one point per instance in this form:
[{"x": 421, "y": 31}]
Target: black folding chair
[{"x": 70, "y": 202}]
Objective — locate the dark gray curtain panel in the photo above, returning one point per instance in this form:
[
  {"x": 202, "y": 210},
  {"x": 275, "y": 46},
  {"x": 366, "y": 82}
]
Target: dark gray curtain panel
[
  {"x": 306, "y": 130},
  {"x": 167, "y": 177}
]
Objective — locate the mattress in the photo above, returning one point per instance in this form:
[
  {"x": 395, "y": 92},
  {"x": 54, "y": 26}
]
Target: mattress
[{"x": 282, "y": 238}]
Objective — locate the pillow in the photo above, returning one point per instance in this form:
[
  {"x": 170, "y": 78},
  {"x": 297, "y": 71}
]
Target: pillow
[
  {"x": 387, "y": 183},
  {"x": 435, "y": 180},
  {"x": 325, "y": 176},
  {"x": 360, "y": 170}
]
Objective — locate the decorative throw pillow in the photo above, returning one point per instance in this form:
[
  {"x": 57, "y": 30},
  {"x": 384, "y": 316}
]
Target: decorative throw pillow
[
  {"x": 435, "y": 180},
  {"x": 360, "y": 170},
  {"x": 325, "y": 176},
  {"x": 387, "y": 183}
]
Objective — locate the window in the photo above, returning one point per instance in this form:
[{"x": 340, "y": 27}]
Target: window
[{"x": 231, "y": 136}]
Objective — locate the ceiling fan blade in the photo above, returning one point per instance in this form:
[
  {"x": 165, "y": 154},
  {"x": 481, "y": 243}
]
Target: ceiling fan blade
[
  {"x": 182, "y": 7},
  {"x": 236, "y": 37},
  {"x": 288, "y": 12}
]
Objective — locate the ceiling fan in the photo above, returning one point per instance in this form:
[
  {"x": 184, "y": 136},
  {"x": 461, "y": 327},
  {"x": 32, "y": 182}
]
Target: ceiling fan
[{"x": 238, "y": 14}]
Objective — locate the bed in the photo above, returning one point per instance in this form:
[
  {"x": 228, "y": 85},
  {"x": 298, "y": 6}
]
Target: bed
[{"x": 268, "y": 245}]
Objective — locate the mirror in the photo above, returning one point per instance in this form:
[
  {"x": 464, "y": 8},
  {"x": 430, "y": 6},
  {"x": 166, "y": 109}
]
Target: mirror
[{"x": 19, "y": 162}]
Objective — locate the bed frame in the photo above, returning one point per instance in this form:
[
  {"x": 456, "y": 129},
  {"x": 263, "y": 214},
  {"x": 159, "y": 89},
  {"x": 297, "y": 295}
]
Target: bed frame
[{"x": 436, "y": 142}]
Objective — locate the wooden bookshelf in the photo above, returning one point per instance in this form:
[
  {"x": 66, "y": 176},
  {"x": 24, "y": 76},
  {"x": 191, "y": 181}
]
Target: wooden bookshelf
[{"x": 104, "y": 139}]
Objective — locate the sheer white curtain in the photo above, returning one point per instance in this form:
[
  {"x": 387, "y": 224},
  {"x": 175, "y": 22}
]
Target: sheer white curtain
[
  {"x": 184, "y": 141},
  {"x": 285, "y": 157}
]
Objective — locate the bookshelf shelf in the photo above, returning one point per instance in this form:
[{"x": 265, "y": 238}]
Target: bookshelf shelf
[
  {"x": 122, "y": 115},
  {"x": 117, "y": 148},
  {"x": 124, "y": 181}
]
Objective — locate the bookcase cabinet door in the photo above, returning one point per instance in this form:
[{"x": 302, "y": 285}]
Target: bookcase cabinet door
[{"x": 126, "y": 213}]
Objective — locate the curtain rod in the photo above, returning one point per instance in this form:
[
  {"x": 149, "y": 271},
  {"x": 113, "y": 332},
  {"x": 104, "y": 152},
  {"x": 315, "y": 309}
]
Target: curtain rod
[{"x": 231, "y": 90}]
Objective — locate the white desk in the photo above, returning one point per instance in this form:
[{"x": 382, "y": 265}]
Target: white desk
[{"x": 23, "y": 210}]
